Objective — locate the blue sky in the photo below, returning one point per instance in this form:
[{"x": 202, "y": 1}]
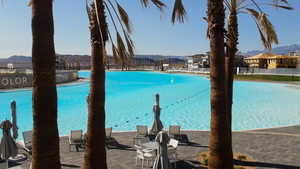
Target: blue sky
[{"x": 153, "y": 31}]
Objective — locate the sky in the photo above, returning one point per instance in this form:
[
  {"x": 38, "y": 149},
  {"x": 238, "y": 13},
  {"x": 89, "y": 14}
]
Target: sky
[{"x": 153, "y": 31}]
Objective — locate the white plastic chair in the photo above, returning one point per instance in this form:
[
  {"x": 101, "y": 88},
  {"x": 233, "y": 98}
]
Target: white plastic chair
[
  {"x": 172, "y": 150},
  {"x": 141, "y": 135},
  {"x": 147, "y": 155},
  {"x": 142, "y": 130},
  {"x": 76, "y": 139}
]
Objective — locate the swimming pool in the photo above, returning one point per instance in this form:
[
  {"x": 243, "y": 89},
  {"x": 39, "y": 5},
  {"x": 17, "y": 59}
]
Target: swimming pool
[{"x": 184, "y": 101}]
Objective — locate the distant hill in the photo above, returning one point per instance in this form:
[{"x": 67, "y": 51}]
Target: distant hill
[
  {"x": 15, "y": 59},
  {"x": 87, "y": 57},
  {"x": 278, "y": 50},
  {"x": 25, "y": 61}
]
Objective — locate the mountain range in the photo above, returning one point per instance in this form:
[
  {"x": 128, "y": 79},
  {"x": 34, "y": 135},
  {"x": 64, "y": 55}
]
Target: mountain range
[
  {"x": 16, "y": 58},
  {"x": 86, "y": 58}
]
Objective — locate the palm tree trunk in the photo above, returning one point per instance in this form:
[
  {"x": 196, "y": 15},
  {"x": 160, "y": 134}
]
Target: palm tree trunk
[
  {"x": 220, "y": 153},
  {"x": 231, "y": 49},
  {"x": 95, "y": 154},
  {"x": 45, "y": 143}
]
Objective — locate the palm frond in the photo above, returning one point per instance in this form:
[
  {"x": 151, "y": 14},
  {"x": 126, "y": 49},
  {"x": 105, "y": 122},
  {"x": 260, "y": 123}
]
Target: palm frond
[
  {"x": 227, "y": 4},
  {"x": 265, "y": 43},
  {"x": 124, "y": 17},
  {"x": 130, "y": 46},
  {"x": 179, "y": 13},
  {"x": 268, "y": 28},
  {"x": 160, "y": 5},
  {"x": 256, "y": 5},
  {"x": 253, "y": 12},
  {"x": 121, "y": 47},
  {"x": 145, "y": 3},
  {"x": 240, "y": 2},
  {"x": 30, "y": 3},
  {"x": 281, "y": 1},
  {"x": 98, "y": 23},
  {"x": 115, "y": 53},
  {"x": 120, "y": 51},
  {"x": 282, "y": 6}
]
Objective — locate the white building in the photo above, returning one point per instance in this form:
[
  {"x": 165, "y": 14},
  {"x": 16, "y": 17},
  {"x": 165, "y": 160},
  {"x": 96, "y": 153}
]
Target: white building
[
  {"x": 295, "y": 53},
  {"x": 198, "y": 61},
  {"x": 10, "y": 66}
]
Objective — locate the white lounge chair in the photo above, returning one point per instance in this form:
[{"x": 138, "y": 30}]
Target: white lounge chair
[
  {"x": 27, "y": 136},
  {"x": 142, "y": 130},
  {"x": 108, "y": 132},
  {"x": 76, "y": 139},
  {"x": 174, "y": 132},
  {"x": 172, "y": 150},
  {"x": 109, "y": 139},
  {"x": 147, "y": 155}
]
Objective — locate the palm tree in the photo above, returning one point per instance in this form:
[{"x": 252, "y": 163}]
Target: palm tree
[
  {"x": 45, "y": 143},
  {"x": 266, "y": 31},
  {"x": 220, "y": 151},
  {"x": 265, "y": 28},
  {"x": 95, "y": 154}
]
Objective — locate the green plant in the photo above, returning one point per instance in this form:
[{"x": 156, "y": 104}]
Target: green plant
[
  {"x": 241, "y": 157},
  {"x": 239, "y": 167},
  {"x": 205, "y": 161}
]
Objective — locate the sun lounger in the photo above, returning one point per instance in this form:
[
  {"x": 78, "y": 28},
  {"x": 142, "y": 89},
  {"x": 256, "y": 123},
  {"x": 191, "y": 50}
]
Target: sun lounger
[
  {"x": 109, "y": 139},
  {"x": 76, "y": 139},
  {"x": 172, "y": 150},
  {"x": 174, "y": 132},
  {"x": 27, "y": 136}
]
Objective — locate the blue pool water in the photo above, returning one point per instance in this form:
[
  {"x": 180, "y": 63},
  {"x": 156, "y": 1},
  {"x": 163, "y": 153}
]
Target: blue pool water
[{"x": 184, "y": 101}]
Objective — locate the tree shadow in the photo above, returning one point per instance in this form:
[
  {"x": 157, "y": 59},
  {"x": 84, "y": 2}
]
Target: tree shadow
[
  {"x": 70, "y": 165},
  {"x": 188, "y": 164},
  {"x": 114, "y": 144},
  {"x": 264, "y": 164}
]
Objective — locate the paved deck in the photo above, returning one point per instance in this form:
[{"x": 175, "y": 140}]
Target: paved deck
[{"x": 271, "y": 148}]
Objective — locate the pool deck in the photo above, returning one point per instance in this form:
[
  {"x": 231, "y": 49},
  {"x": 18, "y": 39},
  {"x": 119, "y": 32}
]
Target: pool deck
[{"x": 270, "y": 148}]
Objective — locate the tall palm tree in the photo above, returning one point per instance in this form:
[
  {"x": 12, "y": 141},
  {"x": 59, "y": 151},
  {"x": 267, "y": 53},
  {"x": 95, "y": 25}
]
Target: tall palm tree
[
  {"x": 220, "y": 152},
  {"x": 98, "y": 12},
  {"x": 266, "y": 31},
  {"x": 265, "y": 28},
  {"x": 45, "y": 143},
  {"x": 95, "y": 154}
]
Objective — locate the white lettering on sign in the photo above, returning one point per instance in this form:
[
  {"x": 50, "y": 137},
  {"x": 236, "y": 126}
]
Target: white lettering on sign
[
  {"x": 4, "y": 81},
  {"x": 12, "y": 81},
  {"x": 18, "y": 81},
  {"x": 24, "y": 80}
]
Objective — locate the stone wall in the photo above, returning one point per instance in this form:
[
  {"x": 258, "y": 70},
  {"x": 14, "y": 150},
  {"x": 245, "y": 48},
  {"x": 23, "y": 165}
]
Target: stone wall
[{"x": 22, "y": 80}]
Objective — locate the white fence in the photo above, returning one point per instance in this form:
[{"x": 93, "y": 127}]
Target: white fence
[
  {"x": 279, "y": 71},
  {"x": 243, "y": 70}
]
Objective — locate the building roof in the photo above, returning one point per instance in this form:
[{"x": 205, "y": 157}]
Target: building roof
[{"x": 270, "y": 56}]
